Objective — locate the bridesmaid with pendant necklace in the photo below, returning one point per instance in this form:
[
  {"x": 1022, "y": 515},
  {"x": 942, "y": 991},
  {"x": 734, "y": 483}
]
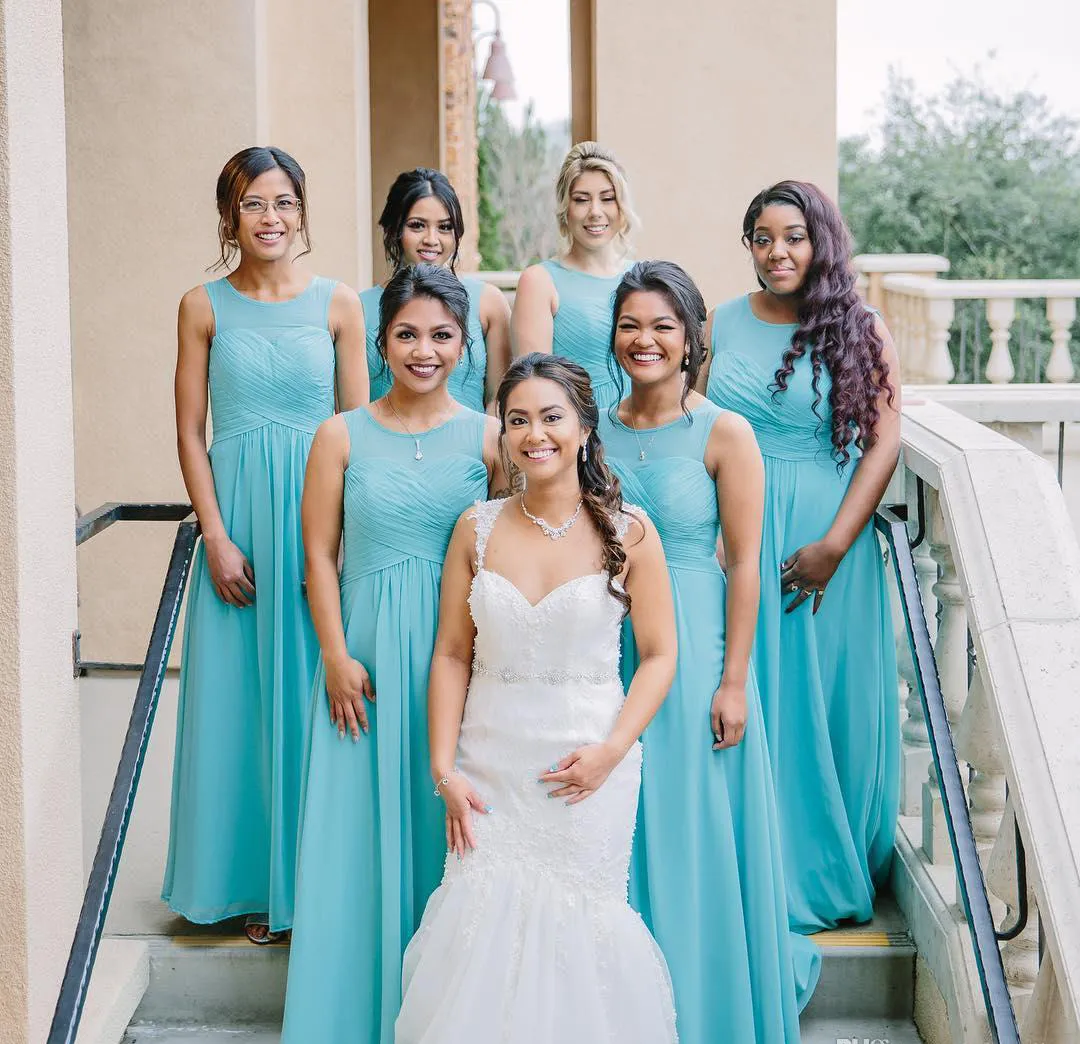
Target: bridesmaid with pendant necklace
[
  {"x": 422, "y": 223},
  {"x": 563, "y": 305},
  {"x": 392, "y": 480},
  {"x": 816, "y": 374},
  {"x": 269, "y": 346},
  {"x": 719, "y": 910}
]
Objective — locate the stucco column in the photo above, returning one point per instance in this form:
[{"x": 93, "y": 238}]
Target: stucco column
[
  {"x": 706, "y": 104},
  {"x": 458, "y": 90},
  {"x": 40, "y": 843}
]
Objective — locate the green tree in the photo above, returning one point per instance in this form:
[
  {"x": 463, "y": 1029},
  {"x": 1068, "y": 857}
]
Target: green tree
[
  {"x": 988, "y": 180},
  {"x": 492, "y": 257}
]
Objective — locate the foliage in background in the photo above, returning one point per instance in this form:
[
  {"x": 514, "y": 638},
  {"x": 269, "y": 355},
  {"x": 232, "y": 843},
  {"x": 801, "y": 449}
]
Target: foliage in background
[
  {"x": 517, "y": 167},
  {"x": 990, "y": 181}
]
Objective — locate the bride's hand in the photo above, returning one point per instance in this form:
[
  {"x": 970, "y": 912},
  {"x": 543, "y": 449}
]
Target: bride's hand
[
  {"x": 461, "y": 801},
  {"x": 583, "y": 772}
]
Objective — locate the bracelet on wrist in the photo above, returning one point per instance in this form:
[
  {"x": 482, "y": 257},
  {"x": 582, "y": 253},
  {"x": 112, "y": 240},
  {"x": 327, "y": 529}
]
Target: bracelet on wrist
[{"x": 442, "y": 783}]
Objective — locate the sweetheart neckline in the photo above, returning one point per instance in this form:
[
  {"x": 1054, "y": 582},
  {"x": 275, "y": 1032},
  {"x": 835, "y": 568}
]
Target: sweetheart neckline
[{"x": 554, "y": 591}]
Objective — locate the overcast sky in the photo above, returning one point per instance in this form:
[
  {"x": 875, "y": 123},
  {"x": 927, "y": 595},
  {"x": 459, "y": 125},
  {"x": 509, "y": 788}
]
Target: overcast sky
[{"x": 1018, "y": 43}]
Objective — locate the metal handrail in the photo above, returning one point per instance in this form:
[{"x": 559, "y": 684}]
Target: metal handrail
[
  {"x": 95, "y": 906},
  {"x": 973, "y": 896}
]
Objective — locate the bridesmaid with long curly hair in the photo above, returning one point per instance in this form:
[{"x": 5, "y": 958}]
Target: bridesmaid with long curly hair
[{"x": 816, "y": 374}]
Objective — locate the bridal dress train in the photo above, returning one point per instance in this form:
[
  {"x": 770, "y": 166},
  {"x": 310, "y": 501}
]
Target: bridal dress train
[{"x": 530, "y": 938}]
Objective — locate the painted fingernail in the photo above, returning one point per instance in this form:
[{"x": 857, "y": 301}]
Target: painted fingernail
[
  {"x": 356, "y": 738},
  {"x": 488, "y": 809},
  {"x": 554, "y": 768},
  {"x": 341, "y": 734}
]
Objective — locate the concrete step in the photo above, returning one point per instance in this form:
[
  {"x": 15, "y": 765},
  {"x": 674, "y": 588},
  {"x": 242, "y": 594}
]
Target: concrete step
[
  {"x": 867, "y": 971},
  {"x": 211, "y": 985}
]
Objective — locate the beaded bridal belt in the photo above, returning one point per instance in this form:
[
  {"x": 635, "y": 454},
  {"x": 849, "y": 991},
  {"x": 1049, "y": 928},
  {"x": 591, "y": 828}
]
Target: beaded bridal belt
[{"x": 552, "y": 677}]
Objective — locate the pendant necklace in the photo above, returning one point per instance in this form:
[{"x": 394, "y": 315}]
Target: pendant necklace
[
  {"x": 637, "y": 437},
  {"x": 554, "y": 532},
  {"x": 419, "y": 455}
]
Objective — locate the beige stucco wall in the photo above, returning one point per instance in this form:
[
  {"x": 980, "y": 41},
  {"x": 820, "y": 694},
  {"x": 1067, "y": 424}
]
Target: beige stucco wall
[
  {"x": 706, "y": 104},
  {"x": 159, "y": 95},
  {"x": 40, "y": 794}
]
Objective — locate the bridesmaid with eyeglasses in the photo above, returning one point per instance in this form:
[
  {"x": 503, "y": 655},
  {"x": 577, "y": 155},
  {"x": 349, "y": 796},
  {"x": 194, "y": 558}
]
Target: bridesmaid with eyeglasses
[
  {"x": 422, "y": 223},
  {"x": 273, "y": 351}
]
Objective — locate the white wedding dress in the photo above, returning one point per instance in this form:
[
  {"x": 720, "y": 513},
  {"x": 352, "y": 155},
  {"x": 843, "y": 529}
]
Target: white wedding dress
[{"x": 529, "y": 939}]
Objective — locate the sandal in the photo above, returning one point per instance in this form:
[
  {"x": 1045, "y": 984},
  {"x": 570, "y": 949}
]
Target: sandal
[{"x": 257, "y": 929}]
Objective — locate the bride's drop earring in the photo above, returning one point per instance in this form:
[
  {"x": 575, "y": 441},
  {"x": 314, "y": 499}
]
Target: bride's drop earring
[{"x": 584, "y": 454}]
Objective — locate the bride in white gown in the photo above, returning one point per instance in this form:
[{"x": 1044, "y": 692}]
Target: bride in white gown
[{"x": 530, "y": 938}]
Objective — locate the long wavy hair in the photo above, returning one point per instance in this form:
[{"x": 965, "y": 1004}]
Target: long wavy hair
[
  {"x": 600, "y": 489},
  {"x": 233, "y": 181},
  {"x": 408, "y": 189},
  {"x": 835, "y": 327},
  {"x": 431, "y": 281},
  {"x": 673, "y": 283}
]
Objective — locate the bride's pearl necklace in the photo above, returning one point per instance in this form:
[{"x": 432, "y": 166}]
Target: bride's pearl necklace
[{"x": 554, "y": 532}]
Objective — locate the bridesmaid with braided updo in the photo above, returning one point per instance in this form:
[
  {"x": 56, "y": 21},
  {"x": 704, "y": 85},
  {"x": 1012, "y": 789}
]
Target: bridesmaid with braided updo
[
  {"x": 816, "y": 374},
  {"x": 271, "y": 348}
]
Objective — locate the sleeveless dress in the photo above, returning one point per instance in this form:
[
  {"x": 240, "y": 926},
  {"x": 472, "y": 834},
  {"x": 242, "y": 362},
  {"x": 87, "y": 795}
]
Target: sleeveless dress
[
  {"x": 246, "y": 674},
  {"x": 529, "y": 937},
  {"x": 828, "y": 682},
  {"x": 372, "y": 836},
  {"x": 582, "y": 326},
  {"x": 707, "y": 878},
  {"x": 467, "y": 379}
]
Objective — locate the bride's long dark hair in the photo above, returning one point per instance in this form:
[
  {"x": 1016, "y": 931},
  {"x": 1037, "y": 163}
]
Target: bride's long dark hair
[{"x": 600, "y": 489}]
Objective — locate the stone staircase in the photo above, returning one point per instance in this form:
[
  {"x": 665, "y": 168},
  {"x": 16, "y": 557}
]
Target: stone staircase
[{"x": 210, "y": 986}]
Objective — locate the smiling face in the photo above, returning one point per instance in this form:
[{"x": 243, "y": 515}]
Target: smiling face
[
  {"x": 428, "y": 235},
  {"x": 781, "y": 248},
  {"x": 593, "y": 218},
  {"x": 650, "y": 342},
  {"x": 543, "y": 432},
  {"x": 423, "y": 344},
  {"x": 268, "y": 235}
]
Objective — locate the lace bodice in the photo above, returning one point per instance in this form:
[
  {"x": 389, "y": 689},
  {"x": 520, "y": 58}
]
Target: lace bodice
[{"x": 572, "y": 633}]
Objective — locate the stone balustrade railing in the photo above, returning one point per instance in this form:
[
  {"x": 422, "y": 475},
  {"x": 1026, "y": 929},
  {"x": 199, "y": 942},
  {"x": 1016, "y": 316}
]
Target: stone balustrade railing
[
  {"x": 921, "y": 312},
  {"x": 1000, "y": 566}
]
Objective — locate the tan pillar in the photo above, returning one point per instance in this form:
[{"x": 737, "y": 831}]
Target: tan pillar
[
  {"x": 160, "y": 94},
  {"x": 40, "y": 814},
  {"x": 458, "y": 92},
  {"x": 705, "y": 105}
]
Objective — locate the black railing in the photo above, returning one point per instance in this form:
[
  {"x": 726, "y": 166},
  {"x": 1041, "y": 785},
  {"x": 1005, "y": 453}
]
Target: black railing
[
  {"x": 973, "y": 897},
  {"x": 84, "y": 947}
]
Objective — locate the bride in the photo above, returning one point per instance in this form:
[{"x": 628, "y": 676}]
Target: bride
[{"x": 530, "y": 938}]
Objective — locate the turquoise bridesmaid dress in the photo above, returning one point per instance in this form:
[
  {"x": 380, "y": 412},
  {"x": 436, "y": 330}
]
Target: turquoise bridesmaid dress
[
  {"x": 467, "y": 380},
  {"x": 373, "y": 838},
  {"x": 246, "y": 674},
  {"x": 828, "y": 682},
  {"x": 707, "y": 871},
  {"x": 582, "y": 326}
]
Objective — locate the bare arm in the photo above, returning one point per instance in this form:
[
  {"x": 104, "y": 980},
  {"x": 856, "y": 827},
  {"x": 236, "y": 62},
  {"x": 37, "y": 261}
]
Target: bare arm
[
  {"x": 702, "y": 381},
  {"x": 230, "y": 572},
  {"x": 347, "y": 329},
  {"x": 532, "y": 325},
  {"x": 495, "y": 320},
  {"x": 498, "y": 482},
  {"x": 810, "y": 568},
  {"x": 652, "y": 615},
  {"x": 448, "y": 684},
  {"x": 347, "y": 681},
  {"x": 733, "y": 457}
]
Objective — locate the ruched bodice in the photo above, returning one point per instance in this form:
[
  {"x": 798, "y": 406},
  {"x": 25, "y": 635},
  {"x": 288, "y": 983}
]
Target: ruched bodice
[
  {"x": 582, "y": 324},
  {"x": 270, "y": 362},
  {"x": 468, "y": 380},
  {"x": 747, "y": 353},
  {"x": 671, "y": 483},
  {"x": 395, "y": 509}
]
